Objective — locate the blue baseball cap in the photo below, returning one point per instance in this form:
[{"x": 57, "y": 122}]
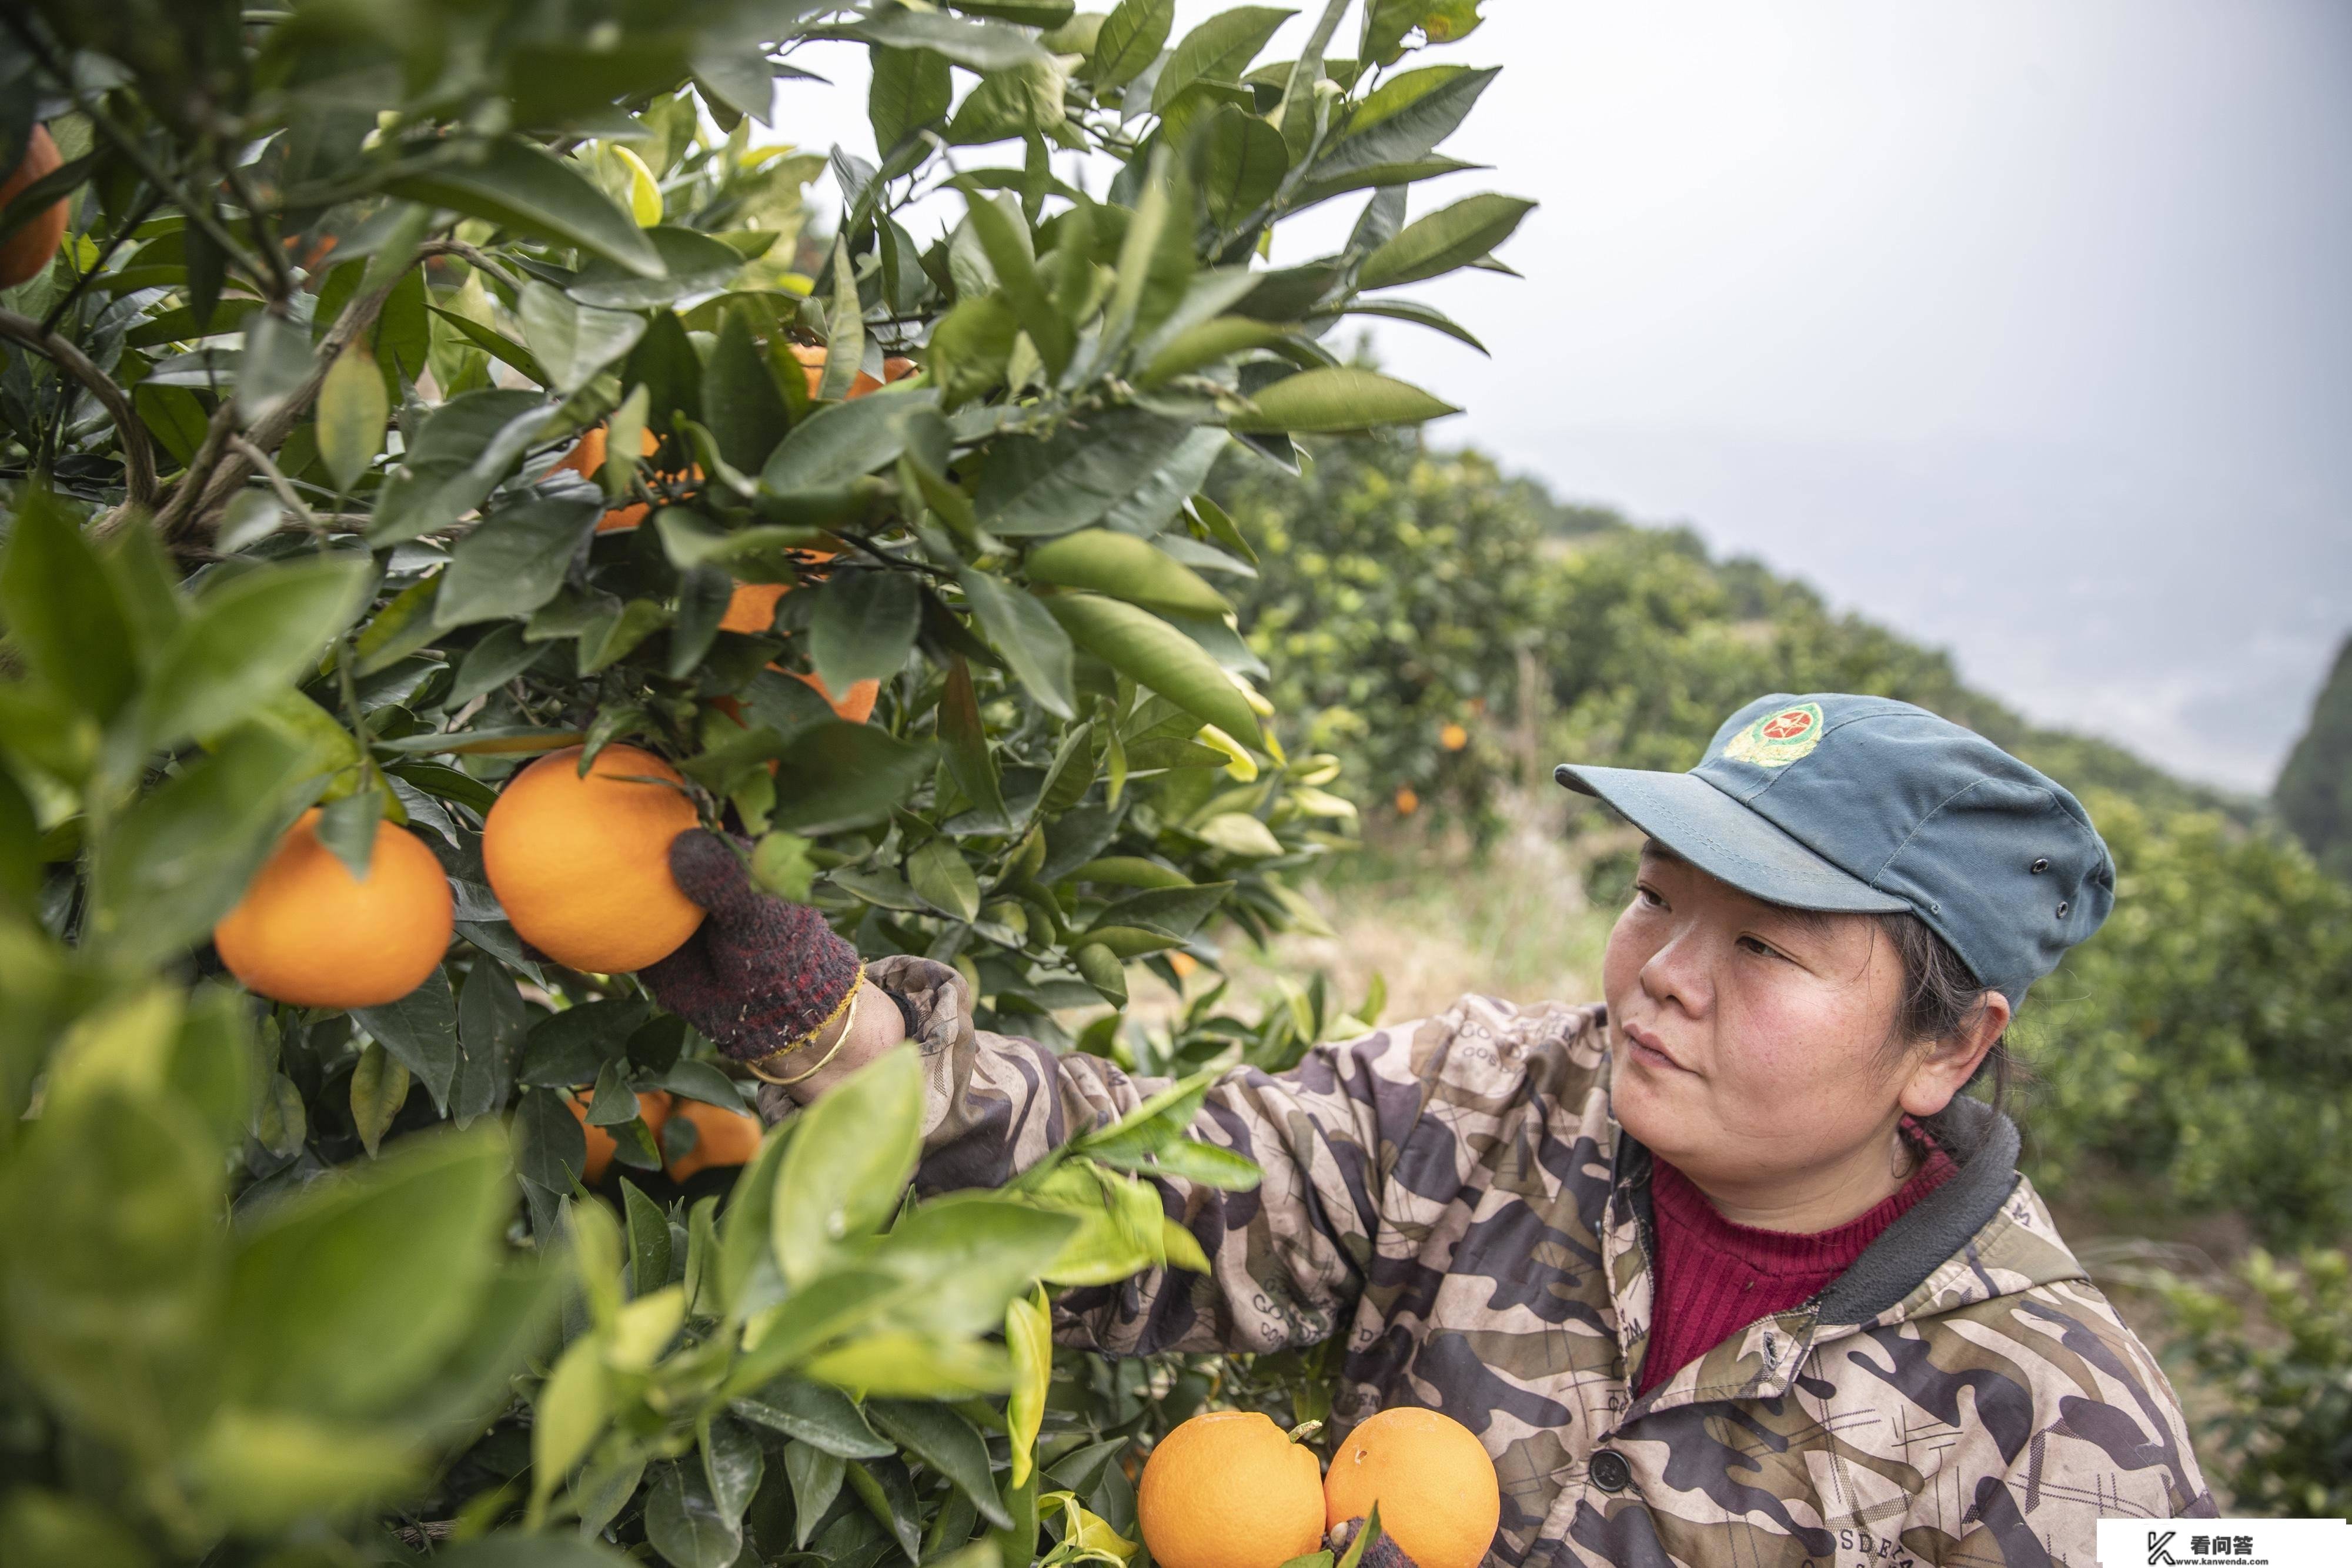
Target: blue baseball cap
[{"x": 1864, "y": 805}]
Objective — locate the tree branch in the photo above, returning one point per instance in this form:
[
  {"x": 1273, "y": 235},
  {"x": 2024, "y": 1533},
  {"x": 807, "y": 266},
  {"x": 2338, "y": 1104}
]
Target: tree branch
[
  {"x": 202, "y": 494},
  {"x": 138, "y": 454}
]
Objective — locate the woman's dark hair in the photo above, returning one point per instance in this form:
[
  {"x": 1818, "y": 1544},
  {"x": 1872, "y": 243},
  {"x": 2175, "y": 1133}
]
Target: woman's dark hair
[{"x": 1941, "y": 997}]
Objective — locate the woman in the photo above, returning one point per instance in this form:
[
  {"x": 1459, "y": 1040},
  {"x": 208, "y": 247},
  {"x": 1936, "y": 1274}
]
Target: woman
[{"x": 1728, "y": 1271}]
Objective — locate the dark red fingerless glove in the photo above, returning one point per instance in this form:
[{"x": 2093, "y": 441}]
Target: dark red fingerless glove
[{"x": 759, "y": 976}]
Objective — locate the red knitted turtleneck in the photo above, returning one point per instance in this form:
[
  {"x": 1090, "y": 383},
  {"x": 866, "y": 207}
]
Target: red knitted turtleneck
[{"x": 1714, "y": 1276}]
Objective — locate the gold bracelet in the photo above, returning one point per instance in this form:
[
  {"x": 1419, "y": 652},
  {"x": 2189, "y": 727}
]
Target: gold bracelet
[
  {"x": 848, "y": 999},
  {"x": 848, "y": 1026}
]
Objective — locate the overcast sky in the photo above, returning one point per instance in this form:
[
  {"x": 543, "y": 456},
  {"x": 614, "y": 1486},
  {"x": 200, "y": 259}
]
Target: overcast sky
[{"x": 2021, "y": 326}]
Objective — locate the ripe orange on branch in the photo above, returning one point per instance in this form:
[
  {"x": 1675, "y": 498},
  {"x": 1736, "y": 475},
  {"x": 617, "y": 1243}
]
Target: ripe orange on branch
[
  {"x": 1229, "y": 1489},
  {"x": 722, "y": 1137},
  {"x": 654, "y": 1108},
  {"x": 308, "y": 932},
  {"x": 25, "y": 253},
  {"x": 581, "y": 865},
  {"x": 813, "y": 358},
  {"x": 1436, "y": 1486},
  {"x": 753, "y": 609},
  {"x": 587, "y": 458}
]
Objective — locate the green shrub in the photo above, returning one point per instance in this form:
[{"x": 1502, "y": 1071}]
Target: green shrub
[
  {"x": 2201, "y": 1037},
  {"x": 2282, "y": 1444}
]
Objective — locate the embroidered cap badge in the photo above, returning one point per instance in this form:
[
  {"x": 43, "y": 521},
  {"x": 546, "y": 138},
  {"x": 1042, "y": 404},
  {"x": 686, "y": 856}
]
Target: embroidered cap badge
[{"x": 1778, "y": 738}]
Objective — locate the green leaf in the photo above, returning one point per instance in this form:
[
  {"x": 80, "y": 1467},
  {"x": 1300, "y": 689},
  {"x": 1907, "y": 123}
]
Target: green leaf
[
  {"x": 816, "y": 1476},
  {"x": 1339, "y": 398},
  {"x": 834, "y": 775},
  {"x": 513, "y": 1549},
  {"x": 692, "y": 263},
  {"x": 731, "y": 1464},
  {"x": 979, "y": 47},
  {"x": 813, "y": 1414},
  {"x": 492, "y": 1020},
  {"x": 1032, "y": 641},
  {"x": 844, "y": 441},
  {"x": 864, "y": 627},
  {"x": 1240, "y": 161},
  {"x": 1447, "y": 238},
  {"x": 1220, "y": 49},
  {"x": 1152, "y": 654},
  {"x": 1404, "y": 119},
  {"x": 573, "y": 1406},
  {"x": 1419, "y": 314},
  {"x": 851, "y": 1154},
  {"x": 1124, "y": 567},
  {"x": 245, "y": 640},
  {"x": 1386, "y": 21},
  {"x": 379, "y": 1088},
  {"x": 844, "y": 328},
  {"x": 1007, "y": 242},
  {"x": 52, "y": 1531},
  {"x": 352, "y": 412},
  {"x": 1211, "y": 342},
  {"x": 550, "y": 1149},
  {"x": 1410, "y": 171},
  {"x": 573, "y": 341},
  {"x": 1075, "y": 476},
  {"x": 344, "y": 1296},
  {"x": 910, "y": 89},
  {"x": 964, "y": 1257},
  {"x": 949, "y": 1444},
  {"x": 965, "y": 742},
  {"x": 970, "y": 347},
  {"x": 180, "y": 859},
  {"x": 1239, "y": 834},
  {"x": 742, "y": 406},
  {"x": 685, "y": 1525},
  {"x": 498, "y": 658},
  {"x": 572, "y": 1046},
  {"x": 61, "y": 611},
  {"x": 915, "y": 1366},
  {"x": 941, "y": 878},
  {"x": 264, "y": 1469},
  {"x": 465, "y": 447},
  {"x": 1102, "y": 970},
  {"x": 889, "y": 1497},
  {"x": 512, "y": 562},
  {"x": 519, "y": 186},
  {"x": 269, "y": 371},
  {"x": 1029, "y": 1336},
  {"x": 1132, "y": 36}
]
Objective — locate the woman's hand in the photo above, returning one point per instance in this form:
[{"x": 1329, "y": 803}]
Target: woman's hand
[{"x": 765, "y": 979}]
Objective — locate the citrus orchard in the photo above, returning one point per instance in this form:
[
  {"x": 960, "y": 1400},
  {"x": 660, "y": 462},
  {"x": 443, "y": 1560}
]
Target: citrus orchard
[
  {"x": 582, "y": 864},
  {"x": 308, "y": 932},
  {"x": 23, "y": 255},
  {"x": 1436, "y": 1486},
  {"x": 1229, "y": 1489}
]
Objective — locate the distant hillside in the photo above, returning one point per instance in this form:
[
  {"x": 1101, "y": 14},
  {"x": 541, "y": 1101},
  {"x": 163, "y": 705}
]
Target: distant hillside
[
  {"x": 1400, "y": 586},
  {"x": 2314, "y": 796}
]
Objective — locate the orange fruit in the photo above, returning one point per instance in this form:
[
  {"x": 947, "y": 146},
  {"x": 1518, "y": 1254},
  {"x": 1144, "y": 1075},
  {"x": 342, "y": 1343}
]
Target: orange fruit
[
  {"x": 308, "y": 932},
  {"x": 1452, "y": 737},
  {"x": 1229, "y": 1489},
  {"x": 653, "y": 1108},
  {"x": 588, "y": 457},
  {"x": 753, "y": 609},
  {"x": 29, "y": 250},
  {"x": 1408, "y": 801},
  {"x": 1436, "y": 1487},
  {"x": 722, "y": 1137},
  {"x": 581, "y": 865},
  {"x": 812, "y": 358}
]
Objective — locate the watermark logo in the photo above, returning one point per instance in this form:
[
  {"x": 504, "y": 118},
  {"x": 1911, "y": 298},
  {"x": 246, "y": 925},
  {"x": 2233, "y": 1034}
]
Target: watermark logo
[{"x": 2225, "y": 1544}]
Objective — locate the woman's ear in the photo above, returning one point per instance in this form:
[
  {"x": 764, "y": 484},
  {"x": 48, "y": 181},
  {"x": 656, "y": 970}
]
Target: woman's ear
[{"x": 1946, "y": 1067}]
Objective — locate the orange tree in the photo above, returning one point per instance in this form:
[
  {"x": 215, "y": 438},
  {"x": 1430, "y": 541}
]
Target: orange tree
[{"x": 417, "y": 389}]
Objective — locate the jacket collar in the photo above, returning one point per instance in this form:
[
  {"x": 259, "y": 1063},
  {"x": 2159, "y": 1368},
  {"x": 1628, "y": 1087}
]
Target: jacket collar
[{"x": 1982, "y": 1234}]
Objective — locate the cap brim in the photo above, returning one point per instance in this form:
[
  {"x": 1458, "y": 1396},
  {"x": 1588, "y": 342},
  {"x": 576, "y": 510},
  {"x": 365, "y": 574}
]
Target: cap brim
[{"x": 1727, "y": 840}]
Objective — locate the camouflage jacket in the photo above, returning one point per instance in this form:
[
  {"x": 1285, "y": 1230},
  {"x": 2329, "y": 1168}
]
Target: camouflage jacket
[{"x": 1454, "y": 1197}]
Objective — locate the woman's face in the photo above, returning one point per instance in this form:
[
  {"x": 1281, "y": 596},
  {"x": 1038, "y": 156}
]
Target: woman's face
[{"x": 1749, "y": 1035}]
